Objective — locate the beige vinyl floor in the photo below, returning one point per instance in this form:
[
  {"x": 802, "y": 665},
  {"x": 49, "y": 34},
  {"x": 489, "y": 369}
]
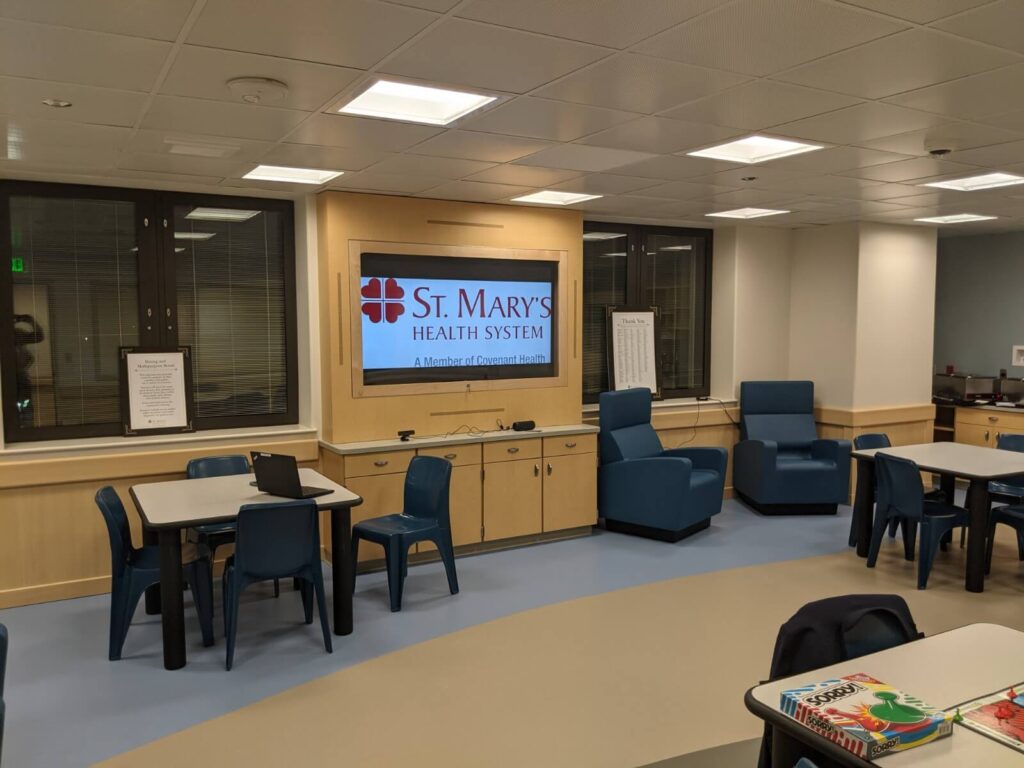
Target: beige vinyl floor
[{"x": 622, "y": 678}]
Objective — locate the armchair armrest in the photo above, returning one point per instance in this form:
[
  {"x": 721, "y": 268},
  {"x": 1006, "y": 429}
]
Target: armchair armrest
[
  {"x": 753, "y": 471},
  {"x": 834, "y": 450},
  {"x": 644, "y": 491},
  {"x": 702, "y": 458}
]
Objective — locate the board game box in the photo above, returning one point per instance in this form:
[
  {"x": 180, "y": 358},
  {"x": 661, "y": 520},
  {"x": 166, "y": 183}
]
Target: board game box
[
  {"x": 999, "y": 716},
  {"x": 866, "y": 716}
]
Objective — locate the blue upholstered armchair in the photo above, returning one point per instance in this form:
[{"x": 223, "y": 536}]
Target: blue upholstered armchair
[
  {"x": 648, "y": 491},
  {"x": 781, "y": 467}
]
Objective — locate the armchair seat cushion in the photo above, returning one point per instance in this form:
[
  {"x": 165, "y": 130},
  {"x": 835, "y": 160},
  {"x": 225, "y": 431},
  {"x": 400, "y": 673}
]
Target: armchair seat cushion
[{"x": 806, "y": 465}]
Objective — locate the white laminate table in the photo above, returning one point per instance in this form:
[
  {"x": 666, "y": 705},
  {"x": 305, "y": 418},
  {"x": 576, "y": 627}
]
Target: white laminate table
[
  {"x": 944, "y": 670},
  {"x": 168, "y": 508},
  {"x": 949, "y": 460}
]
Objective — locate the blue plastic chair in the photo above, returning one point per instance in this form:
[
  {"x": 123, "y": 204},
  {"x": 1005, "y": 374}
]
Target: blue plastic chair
[
  {"x": 3, "y": 676},
  {"x": 214, "y": 535},
  {"x": 275, "y": 541},
  {"x": 424, "y": 517},
  {"x": 899, "y": 484},
  {"x": 1011, "y": 490},
  {"x": 133, "y": 571}
]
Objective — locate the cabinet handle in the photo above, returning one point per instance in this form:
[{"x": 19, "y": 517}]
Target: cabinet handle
[
  {"x": 513, "y": 449},
  {"x": 451, "y": 456},
  {"x": 536, "y": 470},
  {"x": 570, "y": 445},
  {"x": 993, "y": 419},
  {"x": 986, "y": 434},
  {"x": 380, "y": 463},
  {"x": 550, "y": 468}
]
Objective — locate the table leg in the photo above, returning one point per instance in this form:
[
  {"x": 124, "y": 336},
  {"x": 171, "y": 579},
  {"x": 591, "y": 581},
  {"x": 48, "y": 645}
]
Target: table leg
[
  {"x": 977, "y": 505},
  {"x": 171, "y": 599},
  {"x": 150, "y": 538},
  {"x": 947, "y": 484},
  {"x": 342, "y": 569},
  {"x": 864, "y": 504}
]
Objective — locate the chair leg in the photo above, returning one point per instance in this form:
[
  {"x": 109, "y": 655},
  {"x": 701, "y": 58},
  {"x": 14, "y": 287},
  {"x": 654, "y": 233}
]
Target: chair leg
[
  {"x": 277, "y": 587},
  {"x": 963, "y": 536},
  {"x": 877, "y": 532},
  {"x": 355, "y": 559},
  {"x": 396, "y": 567},
  {"x": 930, "y": 541},
  {"x": 231, "y": 613},
  {"x": 990, "y": 545},
  {"x": 321, "y": 602},
  {"x": 1020, "y": 545},
  {"x": 200, "y": 581},
  {"x": 306, "y": 593},
  {"x": 444, "y": 547},
  {"x": 118, "y": 603},
  {"x": 909, "y": 539},
  {"x": 894, "y": 524}
]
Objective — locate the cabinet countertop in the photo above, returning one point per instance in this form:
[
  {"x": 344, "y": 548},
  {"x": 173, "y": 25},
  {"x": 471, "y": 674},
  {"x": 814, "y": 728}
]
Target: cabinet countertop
[
  {"x": 462, "y": 438},
  {"x": 996, "y": 408}
]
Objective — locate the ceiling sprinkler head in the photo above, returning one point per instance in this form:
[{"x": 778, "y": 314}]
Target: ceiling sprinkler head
[{"x": 258, "y": 90}]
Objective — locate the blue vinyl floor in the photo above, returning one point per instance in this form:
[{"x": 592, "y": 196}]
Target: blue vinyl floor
[{"x": 68, "y": 706}]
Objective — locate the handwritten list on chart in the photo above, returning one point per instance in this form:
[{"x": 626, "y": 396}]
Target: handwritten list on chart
[{"x": 634, "y": 361}]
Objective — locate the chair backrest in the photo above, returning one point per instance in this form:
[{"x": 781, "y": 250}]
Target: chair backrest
[
  {"x": 782, "y": 411},
  {"x": 1011, "y": 443},
  {"x": 217, "y": 466},
  {"x": 277, "y": 539},
  {"x": 427, "y": 482},
  {"x": 871, "y": 440},
  {"x": 900, "y": 485},
  {"x": 118, "y": 531},
  {"x": 626, "y": 431},
  {"x": 872, "y": 632}
]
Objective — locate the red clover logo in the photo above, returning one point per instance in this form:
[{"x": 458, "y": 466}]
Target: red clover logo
[{"x": 383, "y": 304}]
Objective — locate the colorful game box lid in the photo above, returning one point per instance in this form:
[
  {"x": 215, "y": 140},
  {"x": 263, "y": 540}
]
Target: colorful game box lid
[{"x": 866, "y": 716}]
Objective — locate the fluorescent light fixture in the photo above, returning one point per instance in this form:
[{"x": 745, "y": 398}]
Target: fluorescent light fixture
[
  {"x": 220, "y": 214},
  {"x": 984, "y": 181},
  {"x": 193, "y": 235},
  {"x": 603, "y": 235},
  {"x": 292, "y": 175},
  {"x": 956, "y": 218},
  {"x": 551, "y": 197},
  {"x": 414, "y": 103},
  {"x": 755, "y": 149},
  {"x": 747, "y": 213}
]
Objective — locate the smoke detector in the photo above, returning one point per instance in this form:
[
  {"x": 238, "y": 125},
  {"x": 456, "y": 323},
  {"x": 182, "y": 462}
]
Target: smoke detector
[{"x": 258, "y": 90}]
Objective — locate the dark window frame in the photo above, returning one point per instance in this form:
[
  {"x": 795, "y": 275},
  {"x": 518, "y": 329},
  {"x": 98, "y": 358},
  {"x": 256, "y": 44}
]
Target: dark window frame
[
  {"x": 156, "y": 289},
  {"x": 637, "y": 273}
]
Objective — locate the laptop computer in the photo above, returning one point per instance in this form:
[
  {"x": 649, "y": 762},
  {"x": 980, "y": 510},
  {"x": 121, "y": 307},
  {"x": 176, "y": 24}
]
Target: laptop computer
[{"x": 278, "y": 475}]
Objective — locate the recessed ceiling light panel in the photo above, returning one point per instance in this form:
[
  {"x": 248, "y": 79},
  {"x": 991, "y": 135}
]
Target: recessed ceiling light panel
[
  {"x": 220, "y": 214},
  {"x": 291, "y": 175},
  {"x": 392, "y": 100},
  {"x": 552, "y": 197},
  {"x": 974, "y": 183},
  {"x": 755, "y": 149},
  {"x": 956, "y": 218},
  {"x": 747, "y": 213}
]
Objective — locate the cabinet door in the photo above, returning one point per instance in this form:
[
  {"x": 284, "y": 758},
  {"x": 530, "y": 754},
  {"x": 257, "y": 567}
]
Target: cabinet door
[
  {"x": 570, "y": 491},
  {"x": 975, "y": 434},
  {"x": 382, "y": 495},
  {"x": 512, "y": 499},
  {"x": 464, "y": 507}
]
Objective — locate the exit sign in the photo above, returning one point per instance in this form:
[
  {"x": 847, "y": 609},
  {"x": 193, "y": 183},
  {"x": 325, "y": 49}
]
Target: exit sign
[{"x": 17, "y": 264}]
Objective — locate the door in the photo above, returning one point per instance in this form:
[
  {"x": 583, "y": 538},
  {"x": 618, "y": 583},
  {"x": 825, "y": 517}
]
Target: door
[
  {"x": 975, "y": 434},
  {"x": 570, "y": 491},
  {"x": 512, "y": 499}
]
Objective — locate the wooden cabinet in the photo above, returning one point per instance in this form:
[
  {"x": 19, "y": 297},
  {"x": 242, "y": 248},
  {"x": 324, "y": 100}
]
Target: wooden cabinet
[
  {"x": 983, "y": 426},
  {"x": 512, "y": 499},
  {"x": 570, "y": 491},
  {"x": 382, "y": 495}
]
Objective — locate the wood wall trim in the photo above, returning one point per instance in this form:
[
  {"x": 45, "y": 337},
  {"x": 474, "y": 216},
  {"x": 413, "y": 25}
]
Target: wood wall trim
[{"x": 869, "y": 417}]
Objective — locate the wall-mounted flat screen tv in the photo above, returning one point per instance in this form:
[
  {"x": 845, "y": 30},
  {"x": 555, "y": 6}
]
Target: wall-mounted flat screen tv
[{"x": 444, "y": 318}]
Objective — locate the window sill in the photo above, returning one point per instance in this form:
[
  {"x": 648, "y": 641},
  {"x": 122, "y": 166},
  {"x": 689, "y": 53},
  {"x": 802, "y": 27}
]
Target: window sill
[
  {"x": 118, "y": 444},
  {"x": 677, "y": 403}
]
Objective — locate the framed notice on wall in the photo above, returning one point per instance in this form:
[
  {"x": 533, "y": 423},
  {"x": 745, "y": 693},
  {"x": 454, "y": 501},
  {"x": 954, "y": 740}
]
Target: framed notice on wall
[
  {"x": 156, "y": 390},
  {"x": 633, "y": 348}
]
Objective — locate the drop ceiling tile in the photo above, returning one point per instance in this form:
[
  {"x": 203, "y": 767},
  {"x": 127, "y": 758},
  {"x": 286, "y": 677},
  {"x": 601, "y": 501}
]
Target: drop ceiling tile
[
  {"x": 993, "y": 156},
  {"x": 996, "y": 24},
  {"x": 57, "y": 133},
  {"x": 903, "y": 62},
  {"x": 399, "y": 184},
  {"x": 613, "y": 23},
  {"x": 659, "y": 135},
  {"x": 639, "y": 84},
  {"x": 748, "y": 197},
  {"x": 438, "y": 6},
  {"x": 194, "y": 166},
  {"x": 836, "y": 159},
  {"x": 350, "y": 33},
  {"x": 760, "y": 38},
  {"x": 685, "y": 190},
  {"x": 969, "y": 98},
  {"x": 623, "y": 205},
  {"x": 175, "y": 113},
  {"x": 875, "y": 191},
  {"x": 605, "y": 184},
  {"x": 912, "y": 169},
  {"x": 103, "y": 106},
  {"x": 956, "y": 136},
  {"x": 79, "y": 56},
  {"x": 835, "y": 186},
  {"x": 204, "y": 72},
  {"x": 920, "y": 11},
  {"x": 524, "y": 175},
  {"x": 422, "y": 165},
  {"x": 473, "y": 145},
  {"x": 148, "y": 178},
  {"x": 545, "y": 119},
  {"x": 156, "y": 19},
  {"x": 760, "y": 104},
  {"x": 477, "y": 191},
  {"x": 577, "y": 157},
  {"x": 858, "y": 124},
  {"x": 1013, "y": 121},
  {"x": 257, "y": 186},
  {"x": 756, "y": 176},
  {"x": 466, "y": 53},
  {"x": 57, "y": 156},
  {"x": 361, "y": 132},
  {"x": 194, "y": 145},
  {"x": 331, "y": 158},
  {"x": 674, "y": 167}
]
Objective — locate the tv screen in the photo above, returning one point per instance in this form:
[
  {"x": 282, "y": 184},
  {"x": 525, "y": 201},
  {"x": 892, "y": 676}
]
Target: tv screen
[{"x": 444, "y": 318}]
